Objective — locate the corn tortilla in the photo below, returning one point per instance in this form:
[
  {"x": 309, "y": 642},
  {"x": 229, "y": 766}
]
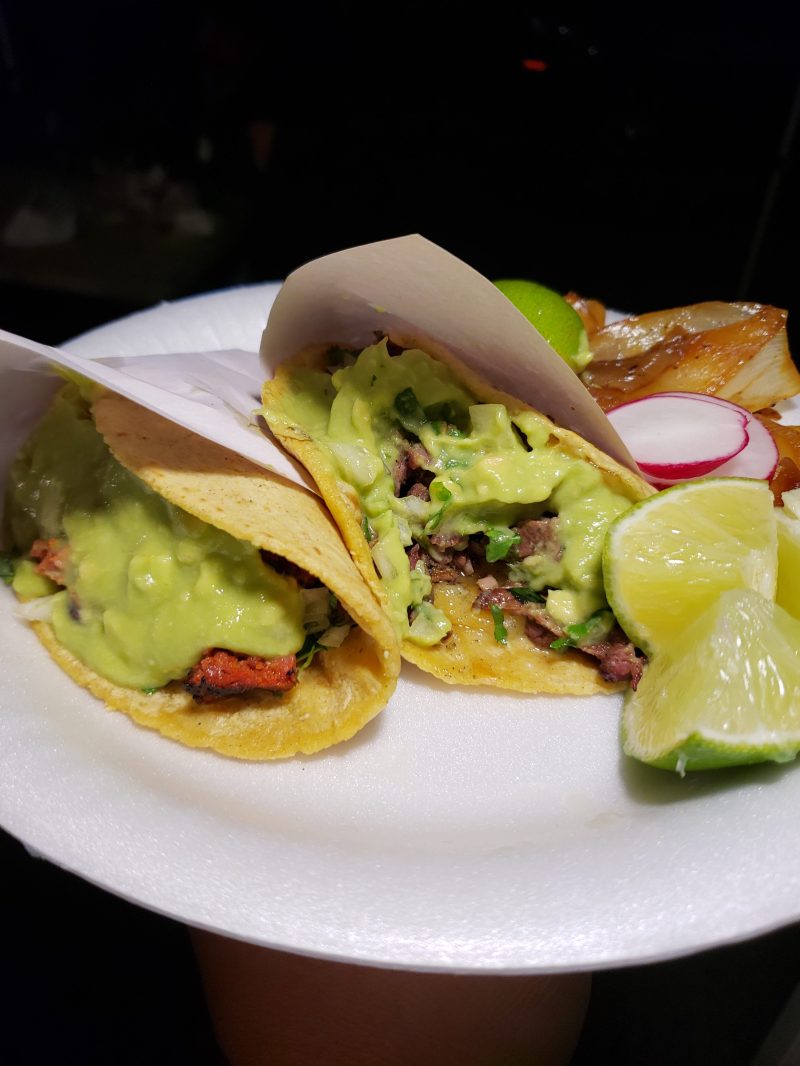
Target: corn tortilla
[
  {"x": 340, "y": 691},
  {"x": 471, "y": 656}
]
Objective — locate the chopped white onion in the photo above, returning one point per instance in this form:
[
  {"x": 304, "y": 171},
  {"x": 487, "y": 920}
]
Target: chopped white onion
[
  {"x": 404, "y": 530},
  {"x": 38, "y": 610},
  {"x": 334, "y": 636},
  {"x": 416, "y": 508},
  {"x": 317, "y": 609}
]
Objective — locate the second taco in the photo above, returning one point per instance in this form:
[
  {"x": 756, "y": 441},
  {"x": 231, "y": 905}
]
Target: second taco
[{"x": 478, "y": 522}]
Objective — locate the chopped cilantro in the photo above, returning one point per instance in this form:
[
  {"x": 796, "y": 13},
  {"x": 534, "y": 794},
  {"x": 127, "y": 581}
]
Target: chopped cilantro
[
  {"x": 409, "y": 411},
  {"x": 440, "y": 412},
  {"x": 433, "y": 523},
  {"x": 500, "y": 631},
  {"x": 451, "y": 413},
  {"x": 7, "y": 567},
  {"x": 595, "y": 628},
  {"x": 565, "y": 642},
  {"x": 527, "y": 595},
  {"x": 501, "y": 541},
  {"x": 306, "y": 654},
  {"x": 440, "y": 493}
]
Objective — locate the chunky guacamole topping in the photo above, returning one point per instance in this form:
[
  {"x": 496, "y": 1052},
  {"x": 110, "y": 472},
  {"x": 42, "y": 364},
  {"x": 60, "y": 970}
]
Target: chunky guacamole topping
[
  {"x": 149, "y": 588},
  {"x": 433, "y": 467}
]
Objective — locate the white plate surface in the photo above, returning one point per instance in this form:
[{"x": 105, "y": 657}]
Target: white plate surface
[{"x": 462, "y": 830}]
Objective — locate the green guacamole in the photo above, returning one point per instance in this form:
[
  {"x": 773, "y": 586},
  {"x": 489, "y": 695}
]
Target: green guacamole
[
  {"x": 491, "y": 471},
  {"x": 150, "y": 588}
]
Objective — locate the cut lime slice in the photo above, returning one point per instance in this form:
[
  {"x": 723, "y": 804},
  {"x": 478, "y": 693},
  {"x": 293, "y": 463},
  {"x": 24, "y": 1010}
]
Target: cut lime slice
[
  {"x": 788, "y": 590},
  {"x": 668, "y": 558},
  {"x": 727, "y": 692},
  {"x": 557, "y": 321},
  {"x": 791, "y": 502}
]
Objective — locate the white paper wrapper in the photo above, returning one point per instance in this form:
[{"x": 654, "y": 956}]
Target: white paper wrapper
[
  {"x": 412, "y": 289},
  {"x": 407, "y": 286},
  {"x": 214, "y": 394}
]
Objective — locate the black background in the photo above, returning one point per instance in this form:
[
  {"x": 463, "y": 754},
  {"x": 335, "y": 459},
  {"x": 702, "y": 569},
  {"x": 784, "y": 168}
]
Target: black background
[
  {"x": 646, "y": 159},
  {"x": 652, "y": 162}
]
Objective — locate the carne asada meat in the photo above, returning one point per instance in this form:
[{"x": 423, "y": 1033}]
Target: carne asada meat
[
  {"x": 538, "y": 536},
  {"x": 224, "y": 673},
  {"x": 412, "y": 458},
  {"x": 464, "y": 563},
  {"x": 283, "y": 566},
  {"x": 616, "y": 655},
  {"x": 503, "y": 598},
  {"x": 540, "y": 636},
  {"x": 416, "y": 555},
  {"x": 447, "y": 566},
  {"x": 617, "y": 658},
  {"x": 540, "y": 627},
  {"x": 443, "y": 541},
  {"x": 446, "y": 571},
  {"x": 420, "y": 490}
]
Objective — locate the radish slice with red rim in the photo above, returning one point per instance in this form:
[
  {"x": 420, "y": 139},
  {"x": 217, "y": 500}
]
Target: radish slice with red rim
[
  {"x": 757, "y": 460},
  {"x": 676, "y": 436}
]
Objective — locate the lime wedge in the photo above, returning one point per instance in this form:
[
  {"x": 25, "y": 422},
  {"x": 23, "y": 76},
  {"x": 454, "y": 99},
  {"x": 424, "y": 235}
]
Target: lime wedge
[
  {"x": 788, "y": 590},
  {"x": 668, "y": 558},
  {"x": 727, "y": 692},
  {"x": 557, "y": 321}
]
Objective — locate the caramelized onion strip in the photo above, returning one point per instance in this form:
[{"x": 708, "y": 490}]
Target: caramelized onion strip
[{"x": 736, "y": 351}]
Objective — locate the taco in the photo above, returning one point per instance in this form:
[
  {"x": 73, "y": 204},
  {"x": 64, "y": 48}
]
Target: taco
[
  {"x": 477, "y": 521},
  {"x": 189, "y": 588}
]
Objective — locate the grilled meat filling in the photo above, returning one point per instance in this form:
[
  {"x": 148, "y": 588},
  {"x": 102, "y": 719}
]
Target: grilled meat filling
[{"x": 223, "y": 673}]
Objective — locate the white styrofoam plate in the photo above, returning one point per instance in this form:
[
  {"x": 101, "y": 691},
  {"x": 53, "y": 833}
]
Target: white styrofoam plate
[{"x": 461, "y": 830}]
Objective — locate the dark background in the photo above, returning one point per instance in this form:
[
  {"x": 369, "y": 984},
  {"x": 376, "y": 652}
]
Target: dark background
[
  {"x": 153, "y": 150},
  {"x": 647, "y": 162}
]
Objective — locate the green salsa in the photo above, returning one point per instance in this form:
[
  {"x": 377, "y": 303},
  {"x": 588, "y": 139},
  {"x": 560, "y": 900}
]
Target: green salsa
[
  {"x": 488, "y": 472},
  {"x": 149, "y": 588}
]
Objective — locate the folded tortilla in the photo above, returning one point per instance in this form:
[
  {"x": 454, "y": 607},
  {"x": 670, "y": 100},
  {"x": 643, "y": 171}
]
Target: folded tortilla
[
  {"x": 474, "y": 652},
  {"x": 342, "y": 688}
]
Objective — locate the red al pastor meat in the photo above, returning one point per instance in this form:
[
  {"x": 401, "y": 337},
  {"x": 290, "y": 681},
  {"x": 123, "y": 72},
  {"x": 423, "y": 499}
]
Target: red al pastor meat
[{"x": 224, "y": 673}]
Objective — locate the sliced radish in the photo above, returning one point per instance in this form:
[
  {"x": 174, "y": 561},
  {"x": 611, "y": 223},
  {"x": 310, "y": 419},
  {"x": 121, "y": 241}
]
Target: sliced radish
[
  {"x": 758, "y": 459},
  {"x": 676, "y": 436}
]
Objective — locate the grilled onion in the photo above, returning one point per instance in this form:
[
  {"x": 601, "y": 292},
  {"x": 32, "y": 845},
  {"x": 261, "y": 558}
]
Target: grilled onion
[
  {"x": 592, "y": 312},
  {"x": 787, "y": 437},
  {"x": 738, "y": 351}
]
